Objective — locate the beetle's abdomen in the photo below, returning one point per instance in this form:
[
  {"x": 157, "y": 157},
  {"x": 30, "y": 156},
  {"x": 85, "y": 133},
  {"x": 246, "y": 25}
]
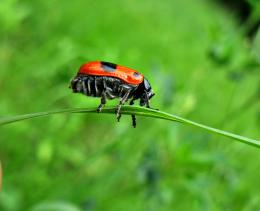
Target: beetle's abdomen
[
  {"x": 96, "y": 85},
  {"x": 88, "y": 85}
]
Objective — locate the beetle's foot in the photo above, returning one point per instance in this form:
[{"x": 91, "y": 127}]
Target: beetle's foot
[
  {"x": 133, "y": 121},
  {"x": 99, "y": 108},
  {"x": 153, "y": 108},
  {"x": 118, "y": 117}
]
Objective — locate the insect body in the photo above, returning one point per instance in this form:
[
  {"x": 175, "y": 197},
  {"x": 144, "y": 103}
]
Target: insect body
[{"x": 108, "y": 81}]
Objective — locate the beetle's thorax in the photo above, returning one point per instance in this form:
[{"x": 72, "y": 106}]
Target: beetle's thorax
[{"x": 144, "y": 91}]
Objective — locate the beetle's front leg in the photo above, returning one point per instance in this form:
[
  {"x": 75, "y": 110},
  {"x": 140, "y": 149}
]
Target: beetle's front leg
[
  {"x": 133, "y": 116},
  {"x": 147, "y": 101}
]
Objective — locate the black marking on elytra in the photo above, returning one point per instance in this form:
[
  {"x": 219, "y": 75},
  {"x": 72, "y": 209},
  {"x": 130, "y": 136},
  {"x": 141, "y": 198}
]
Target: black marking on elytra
[{"x": 108, "y": 66}]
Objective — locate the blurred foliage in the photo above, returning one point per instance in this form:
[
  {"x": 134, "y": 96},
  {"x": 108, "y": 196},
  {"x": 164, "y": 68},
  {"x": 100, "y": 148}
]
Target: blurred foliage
[{"x": 201, "y": 66}]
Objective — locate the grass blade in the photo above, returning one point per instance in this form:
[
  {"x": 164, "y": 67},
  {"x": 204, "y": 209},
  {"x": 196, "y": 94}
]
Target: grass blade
[{"x": 139, "y": 111}]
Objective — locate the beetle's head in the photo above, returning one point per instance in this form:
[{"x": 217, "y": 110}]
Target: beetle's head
[
  {"x": 146, "y": 92},
  {"x": 148, "y": 89}
]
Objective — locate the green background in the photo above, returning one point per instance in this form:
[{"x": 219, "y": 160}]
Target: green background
[{"x": 202, "y": 66}]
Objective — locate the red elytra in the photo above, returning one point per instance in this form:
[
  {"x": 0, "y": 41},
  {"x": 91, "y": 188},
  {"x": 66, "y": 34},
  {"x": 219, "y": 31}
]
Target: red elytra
[{"x": 98, "y": 68}]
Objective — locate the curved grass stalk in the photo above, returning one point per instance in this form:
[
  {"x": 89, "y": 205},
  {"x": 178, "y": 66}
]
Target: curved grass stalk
[{"x": 139, "y": 111}]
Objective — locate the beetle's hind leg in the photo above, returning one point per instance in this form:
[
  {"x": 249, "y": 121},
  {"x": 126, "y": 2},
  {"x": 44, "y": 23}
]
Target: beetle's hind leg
[
  {"x": 102, "y": 101},
  {"x": 103, "y": 96},
  {"x": 133, "y": 116},
  {"x": 121, "y": 102}
]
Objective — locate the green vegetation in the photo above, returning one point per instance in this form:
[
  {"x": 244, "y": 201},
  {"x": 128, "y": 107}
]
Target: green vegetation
[{"x": 202, "y": 66}]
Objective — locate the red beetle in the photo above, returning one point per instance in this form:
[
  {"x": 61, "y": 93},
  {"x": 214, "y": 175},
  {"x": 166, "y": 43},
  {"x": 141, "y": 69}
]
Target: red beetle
[{"x": 109, "y": 81}]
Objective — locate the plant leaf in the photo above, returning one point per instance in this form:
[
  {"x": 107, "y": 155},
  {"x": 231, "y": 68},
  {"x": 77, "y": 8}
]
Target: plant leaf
[{"x": 129, "y": 110}]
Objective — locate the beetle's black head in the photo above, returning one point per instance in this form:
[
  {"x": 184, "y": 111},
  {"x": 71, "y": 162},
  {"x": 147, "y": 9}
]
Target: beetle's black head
[
  {"x": 144, "y": 92},
  {"x": 148, "y": 89}
]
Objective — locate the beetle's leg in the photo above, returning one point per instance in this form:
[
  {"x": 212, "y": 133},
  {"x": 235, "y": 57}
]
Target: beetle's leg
[
  {"x": 103, "y": 101},
  {"x": 147, "y": 101},
  {"x": 103, "y": 96},
  {"x": 121, "y": 102},
  {"x": 133, "y": 116}
]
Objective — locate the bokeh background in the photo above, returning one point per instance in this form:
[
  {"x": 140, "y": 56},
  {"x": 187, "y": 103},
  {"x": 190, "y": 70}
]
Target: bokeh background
[{"x": 202, "y": 58}]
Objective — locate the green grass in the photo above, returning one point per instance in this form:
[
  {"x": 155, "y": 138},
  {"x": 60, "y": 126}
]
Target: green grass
[{"x": 132, "y": 110}]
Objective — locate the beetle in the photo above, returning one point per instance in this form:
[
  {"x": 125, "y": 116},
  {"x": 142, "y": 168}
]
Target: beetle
[{"x": 108, "y": 81}]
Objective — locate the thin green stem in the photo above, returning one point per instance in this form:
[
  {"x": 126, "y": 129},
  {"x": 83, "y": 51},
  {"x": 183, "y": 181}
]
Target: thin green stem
[{"x": 129, "y": 110}]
